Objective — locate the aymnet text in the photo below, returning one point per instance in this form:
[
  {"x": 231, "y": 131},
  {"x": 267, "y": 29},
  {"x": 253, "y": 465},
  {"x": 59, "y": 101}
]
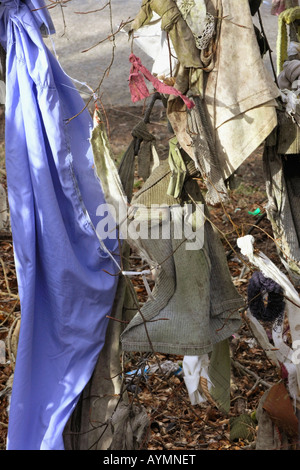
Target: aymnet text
[{"x": 150, "y": 459}]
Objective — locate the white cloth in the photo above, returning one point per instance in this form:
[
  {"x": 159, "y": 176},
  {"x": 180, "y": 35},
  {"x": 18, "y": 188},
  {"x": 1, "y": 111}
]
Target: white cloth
[
  {"x": 193, "y": 368},
  {"x": 153, "y": 41}
]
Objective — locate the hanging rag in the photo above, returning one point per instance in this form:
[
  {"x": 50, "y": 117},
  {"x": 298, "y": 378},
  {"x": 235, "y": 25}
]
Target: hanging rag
[
  {"x": 173, "y": 23},
  {"x": 284, "y": 352},
  {"x": 257, "y": 287},
  {"x": 138, "y": 88},
  {"x": 281, "y": 173},
  {"x": 242, "y": 111},
  {"x": 194, "y": 303},
  {"x": 153, "y": 40},
  {"x": 285, "y": 19},
  {"x": 262, "y": 338},
  {"x": 195, "y": 367},
  {"x": 193, "y": 132},
  {"x": 181, "y": 41},
  {"x": 289, "y": 75},
  {"x": 200, "y": 22},
  {"x": 61, "y": 264},
  {"x": 278, "y": 6},
  {"x": 194, "y": 322},
  {"x": 195, "y": 326}
]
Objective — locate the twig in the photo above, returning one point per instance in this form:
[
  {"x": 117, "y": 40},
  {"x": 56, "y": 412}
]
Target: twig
[
  {"x": 91, "y": 11},
  {"x": 10, "y": 353},
  {"x": 6, "y": 280},
  {"x": 245, "y": 370},
  {"x": 110, "y": 36},
  {"x": 8, "y": 314}
]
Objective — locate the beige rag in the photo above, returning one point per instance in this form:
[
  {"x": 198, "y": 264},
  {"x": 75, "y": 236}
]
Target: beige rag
[{"x": 239, "y": 93}]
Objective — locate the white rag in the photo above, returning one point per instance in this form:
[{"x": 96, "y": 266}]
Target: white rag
[{"x": 193, "y": 368}]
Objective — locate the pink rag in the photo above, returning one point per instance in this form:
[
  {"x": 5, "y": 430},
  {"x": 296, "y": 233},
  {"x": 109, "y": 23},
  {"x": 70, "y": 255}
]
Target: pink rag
[
  {"x": 138, "y": 88},
  {"x": 278, "y": 6}
]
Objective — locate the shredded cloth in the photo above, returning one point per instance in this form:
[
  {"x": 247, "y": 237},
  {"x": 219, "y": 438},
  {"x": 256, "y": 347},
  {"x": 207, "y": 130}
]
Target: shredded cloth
[
  {"x": 195, "y": 321},
  {"x": 281, "y": 172},
  {"x": 174, "y": 24},
  {"x": 285, "y": 18},
  {"x": 194, "y": 303},
  {"x": 242, "y": 111},
  {"x": 138, "y": 88},
  {"x": 257, "y": 287},
  {"x": 284, "y": 352},
  {"x": 200, "y": 22}
]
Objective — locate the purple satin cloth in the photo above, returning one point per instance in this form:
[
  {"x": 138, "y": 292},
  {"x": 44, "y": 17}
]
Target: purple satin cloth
[{"x": 53, "y": 193}]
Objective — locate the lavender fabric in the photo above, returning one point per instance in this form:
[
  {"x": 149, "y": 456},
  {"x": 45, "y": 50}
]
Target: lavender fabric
[{"x": 66, "y": 291}]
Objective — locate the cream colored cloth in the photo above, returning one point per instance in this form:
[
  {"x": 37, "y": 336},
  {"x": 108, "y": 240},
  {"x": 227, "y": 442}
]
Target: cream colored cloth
[{"x": 239, "y": 93}]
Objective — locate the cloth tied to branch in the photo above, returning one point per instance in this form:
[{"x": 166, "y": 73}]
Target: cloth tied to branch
[
  {"x": 289, "y": 74},
  {"x": 284, "y": 353},
  {"x": 138, "y": 88},
  {"x": 278, "y": 6},
  {"x": 62, "y": 265},
  {"x": 258, "y": 285},
  {"x": 285, "y": 19}
]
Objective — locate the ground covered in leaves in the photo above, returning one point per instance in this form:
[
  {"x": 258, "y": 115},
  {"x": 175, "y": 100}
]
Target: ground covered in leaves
[{"x": 174, "y": 423}]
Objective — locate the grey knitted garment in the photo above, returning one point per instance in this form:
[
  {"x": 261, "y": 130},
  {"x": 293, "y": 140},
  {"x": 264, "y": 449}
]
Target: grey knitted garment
[{"x": 194, "y": 303}]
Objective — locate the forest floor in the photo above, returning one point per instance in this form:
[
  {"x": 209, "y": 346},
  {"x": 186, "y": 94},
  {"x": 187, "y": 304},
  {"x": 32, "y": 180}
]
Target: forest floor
[{"x": 174, "y": 422}]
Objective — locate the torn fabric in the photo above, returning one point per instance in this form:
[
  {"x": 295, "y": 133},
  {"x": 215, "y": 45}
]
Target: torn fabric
[
  {"x": 154, "y": 42},
  {"x": 53, "y": 193},
  {"x": 173, "y": 23},
  {"x": 278, "y": 6},
  {"x": 180, "y": 262},
  {"x": 194, "y": 134},
  {"x": 242, "y": 110},
  {"x": 138, "y": 88},
  {"x": 281, "y": 170},
  {"x": 286, "y": 18},
  {"x": 177, "y": 322},
  {"x": 284, "y": 353},
  {"x": 194, "y": 303}
]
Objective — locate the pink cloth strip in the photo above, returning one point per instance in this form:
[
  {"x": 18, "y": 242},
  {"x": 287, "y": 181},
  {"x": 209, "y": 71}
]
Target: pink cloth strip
[{"x": 138, "y": 88}]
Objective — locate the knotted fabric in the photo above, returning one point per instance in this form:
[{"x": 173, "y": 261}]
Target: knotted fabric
[
  {"x": 285, "y": 19},
  {"x": 138, "y": 88},
  {"x": 258, "y": 285},
  {"x": 289, "y": 74},
  {"x": 278, "y": 6}
]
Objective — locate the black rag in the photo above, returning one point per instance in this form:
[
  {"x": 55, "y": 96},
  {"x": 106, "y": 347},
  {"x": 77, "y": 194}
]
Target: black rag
[{"x": 258, "y": 287}]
